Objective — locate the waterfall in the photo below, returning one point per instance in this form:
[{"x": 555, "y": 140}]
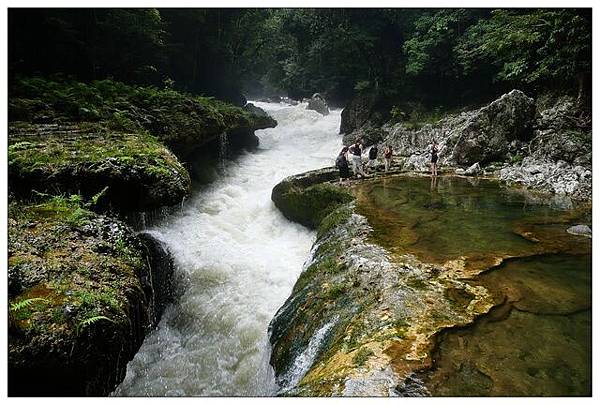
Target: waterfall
[{"x": 236, "y": 260}]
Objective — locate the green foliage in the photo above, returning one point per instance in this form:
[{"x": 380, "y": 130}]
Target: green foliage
[
  {"x": 170, "y": 115},
  {"x": 90, "y": 321},
  {"x": 531, "y": 46},
  {"x": 435, "y": 55},
  {"x": 26, "y": 303}
]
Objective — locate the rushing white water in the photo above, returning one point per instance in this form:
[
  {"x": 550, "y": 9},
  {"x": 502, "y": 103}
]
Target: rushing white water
[{"x": 238, "y": 258}]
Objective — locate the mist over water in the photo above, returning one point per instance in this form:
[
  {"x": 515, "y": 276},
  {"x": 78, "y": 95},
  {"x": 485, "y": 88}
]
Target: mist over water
[{"x": 237, "y": 259}]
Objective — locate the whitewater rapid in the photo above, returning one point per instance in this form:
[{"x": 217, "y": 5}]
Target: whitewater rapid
[{"x": 237, "y": 259}]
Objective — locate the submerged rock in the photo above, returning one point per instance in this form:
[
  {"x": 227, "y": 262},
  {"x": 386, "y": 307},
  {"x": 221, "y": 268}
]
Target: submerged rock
[
  {"x": 382, "y": 310},
  {"x": 83, "y": 292}
]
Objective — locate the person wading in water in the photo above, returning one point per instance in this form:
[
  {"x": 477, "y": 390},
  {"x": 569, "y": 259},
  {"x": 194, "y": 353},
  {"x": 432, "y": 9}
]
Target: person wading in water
[
  {"x": 356, "y": 151},
  {"x": 434, "y": 158},
  {"x": 341, "y": 162},
  {"x": 387, "y": 157}
]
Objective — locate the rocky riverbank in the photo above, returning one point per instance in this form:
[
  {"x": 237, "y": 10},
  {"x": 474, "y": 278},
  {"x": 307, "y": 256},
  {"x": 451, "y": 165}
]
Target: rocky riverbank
[
  {"x": 84, "y": 288},
  {"x": 543, "y": 144},
  {"x": 362, "y": 320}
]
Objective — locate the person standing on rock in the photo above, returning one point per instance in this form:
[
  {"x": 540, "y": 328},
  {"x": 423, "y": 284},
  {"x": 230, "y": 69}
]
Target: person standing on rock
[
  {"x": 372, "y": 158},
  {"x": 356, "y": 152},
  {"x": 434, "y": 158},
  {"x": 341, "y": 162},
  {"x": 387, "y": 157}
]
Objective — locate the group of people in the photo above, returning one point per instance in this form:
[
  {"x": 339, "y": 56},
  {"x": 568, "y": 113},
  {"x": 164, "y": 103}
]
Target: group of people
[{"x": 354, "y": 152}]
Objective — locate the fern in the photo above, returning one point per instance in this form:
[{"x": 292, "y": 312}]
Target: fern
[
  {"x": 89, "y": 321},
  {"x": 17, "y": 306},
  {"x": 97, "y": 196}
]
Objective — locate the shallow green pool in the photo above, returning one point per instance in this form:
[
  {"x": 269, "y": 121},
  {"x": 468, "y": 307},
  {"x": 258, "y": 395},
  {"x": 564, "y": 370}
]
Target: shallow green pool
[{"x": 537, "y": 340}]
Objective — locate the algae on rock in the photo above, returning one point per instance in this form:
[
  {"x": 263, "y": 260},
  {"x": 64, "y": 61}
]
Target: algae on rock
[
  {"x": 141, "y": 174},
  {"x": 81, "y": 298}
]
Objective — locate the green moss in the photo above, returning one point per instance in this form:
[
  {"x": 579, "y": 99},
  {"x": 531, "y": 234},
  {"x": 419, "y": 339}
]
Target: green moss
[
  {"x": 335, "y": 291},
  {"x": 336, "y": 217},
  {"x": 57, "y": 259},
  {"x": 362, "y": 355},
  {"x": 310, "y": 205},
  {"x": 97, "y": 162},
  {"x": 176, "y": 118}
]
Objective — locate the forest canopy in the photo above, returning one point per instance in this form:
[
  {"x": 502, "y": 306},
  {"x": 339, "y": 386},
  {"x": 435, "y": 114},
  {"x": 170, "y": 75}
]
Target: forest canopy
[{"x": 434, "y": 56}]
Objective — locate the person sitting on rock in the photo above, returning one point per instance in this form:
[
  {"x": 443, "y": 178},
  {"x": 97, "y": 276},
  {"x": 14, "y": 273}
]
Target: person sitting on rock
[
  {"x": 372, "y": 158},
  {"x": 387, "y": 157},
  {"x": 356, "y": 152},
  {"x": 341, "y": 162},
  {"x": 434, "y": 157}
]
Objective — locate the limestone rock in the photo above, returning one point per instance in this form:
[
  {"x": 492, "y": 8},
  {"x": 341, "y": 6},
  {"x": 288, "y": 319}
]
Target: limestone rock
[
  {"x": 486, "y": 136},
  {"x": 473, "y": 170},
  {"x": 318, "y": 104},
  {"x": 582, "y": 230},
  {"x": 555, "y": 177},
  {"x": 303, "y": 199}
]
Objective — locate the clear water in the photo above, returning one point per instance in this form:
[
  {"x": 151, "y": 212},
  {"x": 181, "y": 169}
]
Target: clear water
[
  {"x": 478, "y": 220},
  {"x": 537, "y": 341},
  {"x": 237, "y": 259}
]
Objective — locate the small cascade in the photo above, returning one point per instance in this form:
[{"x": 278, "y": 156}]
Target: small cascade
[
  {"x": 306, "y": 358},
  {"x": 223, "y": 150}
]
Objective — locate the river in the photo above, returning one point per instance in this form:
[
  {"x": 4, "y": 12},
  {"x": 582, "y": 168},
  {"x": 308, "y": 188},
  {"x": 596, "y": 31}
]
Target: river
[{"x": 237, "y": 259}]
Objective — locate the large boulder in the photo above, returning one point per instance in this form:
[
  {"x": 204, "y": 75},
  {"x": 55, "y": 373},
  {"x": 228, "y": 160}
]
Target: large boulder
[
  {"x": 83, "y": 291},
  {"x": 318, "y": 104},
  {"x": 563, "y": 132},
  {"x": 363, "y": 108},
  {"x": 136, "y": 172},
  {"x": 487, "y": 135}
]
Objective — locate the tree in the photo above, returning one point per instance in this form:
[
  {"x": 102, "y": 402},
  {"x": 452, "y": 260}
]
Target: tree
[{"x": 542, "y": 47}]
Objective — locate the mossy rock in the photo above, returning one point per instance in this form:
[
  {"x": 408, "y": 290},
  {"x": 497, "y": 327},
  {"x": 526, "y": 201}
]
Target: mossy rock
[
  {"x": 181, "y": 121},
  {"x": 80, "y": 299},
  {"x": 307, "y": 198},
  {"x": 138, "y": 172}
]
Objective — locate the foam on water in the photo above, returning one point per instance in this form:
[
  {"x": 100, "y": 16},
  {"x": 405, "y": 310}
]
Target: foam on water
[{"x": 237, "y": 259}]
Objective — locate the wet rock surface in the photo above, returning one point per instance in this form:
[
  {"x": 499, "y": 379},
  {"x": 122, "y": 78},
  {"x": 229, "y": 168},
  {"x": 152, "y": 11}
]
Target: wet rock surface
[
  {"x": 380, "y": 309},
  {"x": 318, "y": 104},
  {"x": 83, "y": 292},
  {"x": 582, "y": 230},
  {"x": 382, "y": 300}
]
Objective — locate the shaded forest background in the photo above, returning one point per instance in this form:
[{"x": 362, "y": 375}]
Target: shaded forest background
[{"x": 446, "y": 57}]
